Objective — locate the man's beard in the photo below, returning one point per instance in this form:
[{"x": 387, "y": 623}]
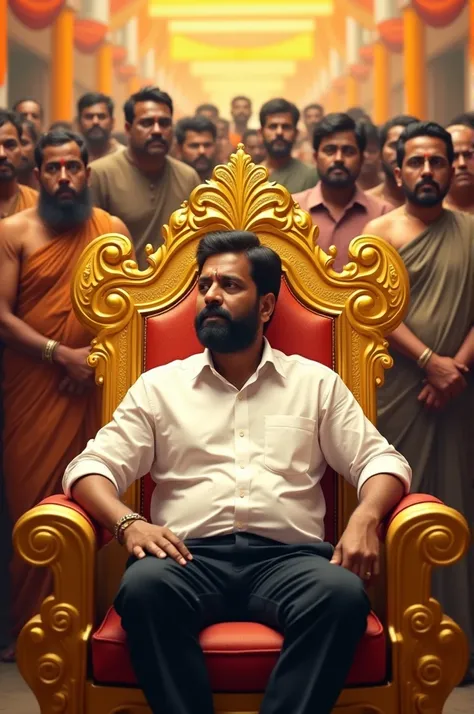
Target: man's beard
[
  {"x": 343, "y": 180},
  {"x": 203, "y": 165},
  {"x": 97, "y": 135},
  {"x": 10, "y": 174},
  {"x": 226, "y": 335},
  {"x": 425, "y": 199},
  {"x": 280, "y": 152},
  {"x": 65, "y": 214}
]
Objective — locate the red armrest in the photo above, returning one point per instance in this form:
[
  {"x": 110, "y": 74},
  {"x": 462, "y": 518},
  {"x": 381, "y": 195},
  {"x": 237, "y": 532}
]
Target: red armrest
[
  {"x": 407, "y": 501},
  {"x": 101, "y": 534}
]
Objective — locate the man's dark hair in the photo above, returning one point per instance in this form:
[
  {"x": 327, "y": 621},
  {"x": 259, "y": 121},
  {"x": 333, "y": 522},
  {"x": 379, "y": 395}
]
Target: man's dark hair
[
  {"x": 31, "y": 128},
  {"x": 371, "y": 132},
  {"x": 249, "y": 132},
  {"x": 29, "y": 99},
  {"x": 334, "y": 123},
  {"x": 207, "y": 108},
  {"x": 400, "y": 120},
  {"x": 198, "y": 124},
  {"x": 279, "y": 106},
  {"x": 240, "y": 98},
  {"x": 58, "y": 138},
  {"x": 424, "y": 128},
  {"x": 465, "y": 119},
  {"x": 358, "y": 114},
  {"x": 7, "y": 117},
  {"x": 265, "y": 264},
  {"x": 319, "y": 107},
  {"x": 61, "y": 125},
  {"x": 146, "y": 94},
  {"x": 91, "y": 98}
]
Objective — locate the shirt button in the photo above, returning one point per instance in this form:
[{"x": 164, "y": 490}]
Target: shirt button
[
  {"x": 242, "y": 494},
  {"x": 239, "y": 524},
  {"x": 241, "y": 433},
  {"x": 242, "y": 466},
  {"x": 240, "y": 396}
]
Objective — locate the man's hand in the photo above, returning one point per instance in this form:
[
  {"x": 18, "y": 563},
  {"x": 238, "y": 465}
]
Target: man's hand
[
  {"x": 359, "y": 547},
  {"x": 74, "y": 362},
  {"x": 432, "y": 398},
  {"x": 141, "y": 538},
  {"x": 446, "y": 375}
]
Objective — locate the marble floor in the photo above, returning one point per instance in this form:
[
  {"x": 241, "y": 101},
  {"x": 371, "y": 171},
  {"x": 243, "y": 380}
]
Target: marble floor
[{"x": 15, "y": 697}]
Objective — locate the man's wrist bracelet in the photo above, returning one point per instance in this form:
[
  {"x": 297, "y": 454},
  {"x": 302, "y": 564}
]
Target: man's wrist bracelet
[
  {"x": 123, "y": 523},
  {"x": 48, "y": 351},
  {"x": 424, "y": 358}
]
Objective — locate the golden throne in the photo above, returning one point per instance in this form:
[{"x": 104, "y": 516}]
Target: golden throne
[{"x": 73, "y": 653}]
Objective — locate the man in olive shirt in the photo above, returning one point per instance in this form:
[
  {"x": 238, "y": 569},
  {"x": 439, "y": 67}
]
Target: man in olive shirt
[
  {"x": 143, "y": 185},
  {"x": 279, "y": 121}
]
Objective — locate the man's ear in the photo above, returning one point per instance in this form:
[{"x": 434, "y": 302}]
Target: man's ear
[
  {"x": 267, "y": 306},
  {"x": 88, "y": 175},
  {"x": 128, "y": 127},
  {"x": 398, "y": 176},
  {"x": 36, "y": 173}
]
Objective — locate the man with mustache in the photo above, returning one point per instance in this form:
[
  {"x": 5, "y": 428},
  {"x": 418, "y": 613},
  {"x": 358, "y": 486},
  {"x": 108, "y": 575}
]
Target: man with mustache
[
  {"x": 197, "y": 145},
  {"x": 253, "y": 144},
  {"x": 95, "y": 119},
  {"x": 13, "y": 196},
  {"x": 461, "y": 192},
  {"x": 337, "y": 205},
  {"x": 143, "y": 185},
  {"x": 237, "y": 439},
  {"x": 50, "y": 403},
  {"x": 426, "y": 403},
  {"x": 279, "y": 121},
  {"x": 31, "y": 110},
  {"x": 389, "y": 135},
  {"x": 241, "y": 111}
]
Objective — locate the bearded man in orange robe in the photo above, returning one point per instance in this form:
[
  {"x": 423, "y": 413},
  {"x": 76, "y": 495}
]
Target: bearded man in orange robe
[
  {"x": 13, "y": 197},
  {"x": 51, "y": 407}
]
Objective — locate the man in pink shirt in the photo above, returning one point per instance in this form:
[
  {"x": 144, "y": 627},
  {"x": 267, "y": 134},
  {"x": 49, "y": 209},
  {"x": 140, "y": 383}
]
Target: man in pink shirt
[{"x": 337, "y": 206}]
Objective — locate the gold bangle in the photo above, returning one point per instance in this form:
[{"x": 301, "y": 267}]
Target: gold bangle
[
  {"x": 423, "y": 360},
  {"x": 48, "y": 350},
  {"x": 124, "y": 522}
]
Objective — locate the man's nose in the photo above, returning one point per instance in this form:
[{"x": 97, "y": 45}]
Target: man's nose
[
  {"x": 63, "y": 175},
  {"x": 2, "y": 152},
  {"x": 214, "y": 294},
  {"x": 156, "y": 128},
  {"x": 95, "y": 120},
  {"x": 461, "y": 162},
  {"x": 339, "y": 156},
  {"x": 427, "y": 167}
]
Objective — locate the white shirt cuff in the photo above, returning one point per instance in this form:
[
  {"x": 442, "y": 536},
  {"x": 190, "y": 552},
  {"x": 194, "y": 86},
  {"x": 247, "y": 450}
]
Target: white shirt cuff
[
  {"x": 86, "y": 467},
  {"x": 386, "y": 464}
]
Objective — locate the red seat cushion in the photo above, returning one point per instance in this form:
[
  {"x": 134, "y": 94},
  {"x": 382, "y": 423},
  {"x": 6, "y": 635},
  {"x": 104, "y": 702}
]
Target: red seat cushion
[{"x": 240, "y": 655}]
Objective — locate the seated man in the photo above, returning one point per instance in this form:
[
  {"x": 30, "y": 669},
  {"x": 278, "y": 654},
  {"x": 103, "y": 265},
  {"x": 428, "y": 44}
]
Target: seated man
[{"x": 237, "y": 439}]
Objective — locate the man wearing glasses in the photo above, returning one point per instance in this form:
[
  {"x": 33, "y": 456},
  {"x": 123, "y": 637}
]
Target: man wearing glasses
[
  {"x": 461, "y": 193},
  {"x": 143, "y": 185}
]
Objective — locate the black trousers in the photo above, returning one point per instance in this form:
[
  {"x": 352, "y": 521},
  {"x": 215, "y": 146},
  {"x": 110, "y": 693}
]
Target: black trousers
[{"x": 321, "y": 609}]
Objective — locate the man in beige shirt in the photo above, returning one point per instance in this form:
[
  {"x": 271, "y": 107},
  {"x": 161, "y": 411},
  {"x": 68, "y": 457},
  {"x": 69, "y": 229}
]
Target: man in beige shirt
[
  {"x": 337, "y": 205},
  {"x": 143, "y": 185},
  {"x": 237, "y": 440}
]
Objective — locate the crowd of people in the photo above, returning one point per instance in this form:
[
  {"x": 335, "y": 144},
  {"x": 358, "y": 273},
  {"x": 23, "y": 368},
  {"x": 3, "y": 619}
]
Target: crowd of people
[{"x": 410, "y": 182}]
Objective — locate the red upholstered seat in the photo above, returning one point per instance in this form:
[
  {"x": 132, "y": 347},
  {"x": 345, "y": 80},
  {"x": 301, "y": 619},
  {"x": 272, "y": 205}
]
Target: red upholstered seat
[{"x": 240, "y": 655}]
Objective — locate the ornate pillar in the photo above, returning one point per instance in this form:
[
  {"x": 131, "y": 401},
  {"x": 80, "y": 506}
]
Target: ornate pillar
[
  {"x": 414, "y": 63},
  {"x": 98, "y": 12},
  {"x": 353, "y": 44},
  {"x": 62, "y": 64},
  {"x": 381, "y": 83},
  {"x": 131, "y": 45},
  {"x": 148, "y": 66},
  {"x": 336, "y": 70},
  {"x": 3, "y": 54}
]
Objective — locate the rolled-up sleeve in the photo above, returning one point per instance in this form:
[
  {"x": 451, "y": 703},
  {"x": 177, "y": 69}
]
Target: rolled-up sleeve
[
  {"x": 124, "y": 449},
  {"x": 350, "y": 442}
]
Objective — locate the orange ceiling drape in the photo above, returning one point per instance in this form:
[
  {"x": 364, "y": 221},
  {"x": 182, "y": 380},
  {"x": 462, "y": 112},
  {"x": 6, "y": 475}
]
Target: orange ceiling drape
[
  {"x": 89, "y": 35},
  {"x": 391, "y": 33},
  {"x": 36, "y": 14},
  {"x": 438, "y": 13}
]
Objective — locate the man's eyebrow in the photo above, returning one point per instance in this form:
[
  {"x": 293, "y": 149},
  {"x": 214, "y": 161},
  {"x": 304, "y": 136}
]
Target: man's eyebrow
[{"x": 222, "y": 276}]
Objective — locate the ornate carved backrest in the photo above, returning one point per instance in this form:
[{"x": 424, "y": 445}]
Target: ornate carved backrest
[{"x": 145, "y": 318}]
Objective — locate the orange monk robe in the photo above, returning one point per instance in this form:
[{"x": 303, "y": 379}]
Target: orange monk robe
[
  {"x": 44, "y": 428},
  {"x": 27, "y": 198}
]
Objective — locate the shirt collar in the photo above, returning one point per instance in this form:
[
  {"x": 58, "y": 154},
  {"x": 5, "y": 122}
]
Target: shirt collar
[
  {"x": 315, "y": 198},
  {"x": 203, "y": 361}
]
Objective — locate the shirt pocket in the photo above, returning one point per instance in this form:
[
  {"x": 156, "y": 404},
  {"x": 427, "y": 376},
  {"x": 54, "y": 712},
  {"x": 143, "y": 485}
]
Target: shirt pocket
[{"x": 288, "y": 443}]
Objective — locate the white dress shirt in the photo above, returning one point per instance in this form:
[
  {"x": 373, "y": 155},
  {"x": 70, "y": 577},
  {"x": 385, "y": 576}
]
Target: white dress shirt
[{"x": 226, "y": 460}]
